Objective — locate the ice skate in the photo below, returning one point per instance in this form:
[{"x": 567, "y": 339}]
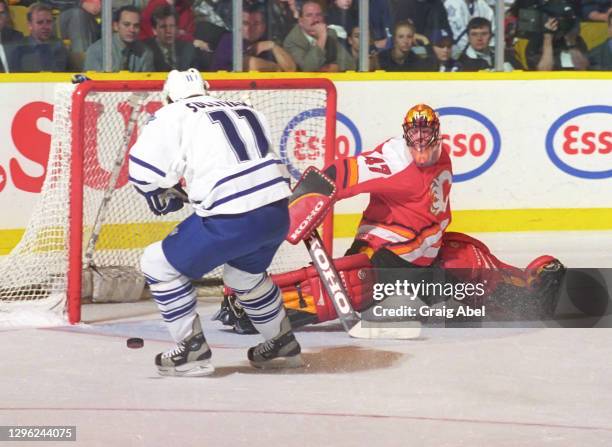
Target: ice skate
[
  {"x": 190, "y": 357},
  {"x": 232, "y": 314},
  {"x": 282, "y": 351}
]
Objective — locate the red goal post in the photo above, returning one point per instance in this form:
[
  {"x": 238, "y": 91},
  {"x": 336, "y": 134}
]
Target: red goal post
[{"x": 87, "y": 202}]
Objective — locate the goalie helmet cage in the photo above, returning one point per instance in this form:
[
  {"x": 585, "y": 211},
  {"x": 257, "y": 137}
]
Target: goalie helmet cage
[{"x": 104, "y": 117}]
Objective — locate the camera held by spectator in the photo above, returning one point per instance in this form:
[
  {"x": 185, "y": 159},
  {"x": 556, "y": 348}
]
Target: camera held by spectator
[
  {"x": 557, "y": 45},
  {"x": 532, "y": 19}
]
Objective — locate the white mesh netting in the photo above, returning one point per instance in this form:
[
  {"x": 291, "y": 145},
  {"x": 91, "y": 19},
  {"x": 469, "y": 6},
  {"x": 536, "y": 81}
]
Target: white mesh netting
[{"x": 34, "y": 274}]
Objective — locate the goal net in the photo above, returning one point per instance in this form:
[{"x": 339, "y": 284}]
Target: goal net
[{"x": 87, "y": 203}]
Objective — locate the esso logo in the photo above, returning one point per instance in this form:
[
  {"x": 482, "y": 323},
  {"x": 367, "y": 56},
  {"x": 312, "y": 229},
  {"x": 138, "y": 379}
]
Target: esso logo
[
  {"x": 348, "y": 138},
  {"x": 302, "y": 145},
  {"x": 580, "y": 142},
  {"x": 2, "y": 178},
  {"x": 471, "y": 139}
]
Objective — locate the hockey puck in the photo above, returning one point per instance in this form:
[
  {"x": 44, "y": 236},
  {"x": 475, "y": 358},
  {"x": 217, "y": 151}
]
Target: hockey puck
[{"x": 135, "y": 343}]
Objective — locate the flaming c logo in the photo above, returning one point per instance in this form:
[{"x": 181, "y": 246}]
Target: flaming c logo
[{"x": 439, "y": 200}]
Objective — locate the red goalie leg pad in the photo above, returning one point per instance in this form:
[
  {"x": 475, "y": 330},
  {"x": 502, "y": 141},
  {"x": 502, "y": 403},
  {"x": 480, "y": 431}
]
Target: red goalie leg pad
[
  {"x": 298, "y": 291},
  {"x": 472, "y": 259},
  {"x": 302, "y": 289}
]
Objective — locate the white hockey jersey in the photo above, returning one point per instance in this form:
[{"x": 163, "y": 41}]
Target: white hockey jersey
[{"x": 222, "y": 149}]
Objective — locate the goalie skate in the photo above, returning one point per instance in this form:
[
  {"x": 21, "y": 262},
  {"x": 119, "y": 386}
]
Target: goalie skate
[
  {"x": 282, "y": 351},
  {"x": 233, "y": 315},
  {"x": 190, "y": 357},
  {"x": 545, "y": 275}
]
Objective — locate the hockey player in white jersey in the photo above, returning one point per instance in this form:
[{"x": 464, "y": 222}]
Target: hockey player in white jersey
[{"x": 238, "y": 189}]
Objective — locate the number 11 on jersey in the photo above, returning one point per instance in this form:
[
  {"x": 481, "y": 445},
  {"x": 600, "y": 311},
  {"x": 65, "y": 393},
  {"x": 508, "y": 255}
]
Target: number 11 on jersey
[{"x": 235, "y": 140}]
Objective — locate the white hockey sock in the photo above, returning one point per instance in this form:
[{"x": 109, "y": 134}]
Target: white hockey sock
[
  {"x": 260, "y": 298},
  {"x": 176, "y": 301},
  {"x": 173, "y": 292}
]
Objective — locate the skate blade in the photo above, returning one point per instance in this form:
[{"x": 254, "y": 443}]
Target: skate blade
[
  {"x": 192, "y": 369},
  {"x": 295, "y": 361}
]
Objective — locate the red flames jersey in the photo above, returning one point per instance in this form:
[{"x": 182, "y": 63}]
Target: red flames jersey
[{"x": 409, "y": 206}]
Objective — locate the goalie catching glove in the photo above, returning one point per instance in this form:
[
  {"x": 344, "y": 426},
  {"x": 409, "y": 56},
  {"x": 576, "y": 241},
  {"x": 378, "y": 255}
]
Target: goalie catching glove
[{"x": 310, "y": 202}]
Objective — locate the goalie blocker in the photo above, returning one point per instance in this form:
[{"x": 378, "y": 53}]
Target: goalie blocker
[{"x": 310, "y": 202}]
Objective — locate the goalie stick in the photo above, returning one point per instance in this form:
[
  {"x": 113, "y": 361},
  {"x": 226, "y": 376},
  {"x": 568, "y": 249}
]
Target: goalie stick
[
  {"x": 339, "y": 296},
  {"x": 332, "y": 282},
  {"x": 312, "y": 198}
]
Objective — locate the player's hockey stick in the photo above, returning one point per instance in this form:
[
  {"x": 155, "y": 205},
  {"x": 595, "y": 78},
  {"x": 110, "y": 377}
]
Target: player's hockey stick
[
  {"x": 135, "y": 101},
  {"x": 113, "y": 283}
]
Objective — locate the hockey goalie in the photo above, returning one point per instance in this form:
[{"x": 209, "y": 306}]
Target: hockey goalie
[{"x": 409, "y": 179}]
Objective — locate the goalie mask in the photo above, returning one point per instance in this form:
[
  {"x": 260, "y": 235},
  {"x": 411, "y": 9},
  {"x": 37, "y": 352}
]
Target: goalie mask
[
  {"x": 183, "y": 84},
  {"x": 422, "y": 134}
]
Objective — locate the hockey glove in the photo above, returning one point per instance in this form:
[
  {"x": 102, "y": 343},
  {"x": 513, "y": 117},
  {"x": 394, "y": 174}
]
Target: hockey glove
[
  {"x": 162, "y": 202},
  {"x": 312, "y": 198}
]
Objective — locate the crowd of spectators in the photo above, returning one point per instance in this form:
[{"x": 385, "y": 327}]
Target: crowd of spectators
[{"x": 305, "y": 35}]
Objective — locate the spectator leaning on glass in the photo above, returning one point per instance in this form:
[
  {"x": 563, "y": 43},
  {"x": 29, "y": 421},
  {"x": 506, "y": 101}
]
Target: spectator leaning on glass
[
  {"x": 40, "y": 51},
  {"x": 168, "y": 52},
  {"x": 259, "y": 54},
  {"x": 8, "y": 36},
  {"x": 558, "y": 46},
  {"x": 600, "y": 57},
  {"x": 313, "y": 46},
  {"x": 128, "y": 53},
  {"x": 400, "y": 57}
]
